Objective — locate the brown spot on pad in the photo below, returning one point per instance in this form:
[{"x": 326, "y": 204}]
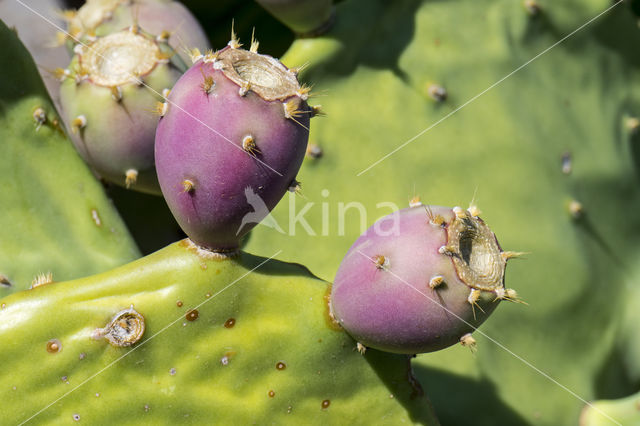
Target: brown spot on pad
[{"x": 54, "y": 346}]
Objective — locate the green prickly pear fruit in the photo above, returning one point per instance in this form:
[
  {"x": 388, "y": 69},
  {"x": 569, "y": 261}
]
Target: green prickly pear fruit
[
  {"x": 108, "y": 97},
  {"x": 183, "y": 335}
]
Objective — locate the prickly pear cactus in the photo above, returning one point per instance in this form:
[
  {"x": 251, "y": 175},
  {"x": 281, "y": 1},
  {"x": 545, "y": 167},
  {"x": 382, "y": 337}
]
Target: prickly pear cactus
[
  {"x": 535, "y": 122},
  {"x": 546, "y": 152},
  {"x": 183, "y": 336},
  {"x": 54, "y": 213}
]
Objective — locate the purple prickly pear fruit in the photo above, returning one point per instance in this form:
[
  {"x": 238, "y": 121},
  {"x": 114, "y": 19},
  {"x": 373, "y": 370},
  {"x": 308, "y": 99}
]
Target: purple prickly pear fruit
[
  {"x": 231, "y": 143},
  {"x": 420, "y": 280},
  {"x": 108, "y": 98}
]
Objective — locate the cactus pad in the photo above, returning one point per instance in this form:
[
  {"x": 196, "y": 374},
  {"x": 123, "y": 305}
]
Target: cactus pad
[
  {"x": 55, "y": 216},
  {"x": 180, "y": 336}
]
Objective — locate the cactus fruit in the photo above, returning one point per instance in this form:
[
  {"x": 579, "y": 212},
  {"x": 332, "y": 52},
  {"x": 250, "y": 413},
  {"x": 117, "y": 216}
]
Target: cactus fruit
[
  {"x": 108, "y": 96},
  {"x": 231, "y": 143},
  {"x": 180, "y": 337},
  {"x": 304, "y": 17},
  {"x": 433, "y": 277},
  {"x": 54, "y": 217},
  {"x": 168, "y": 20}
]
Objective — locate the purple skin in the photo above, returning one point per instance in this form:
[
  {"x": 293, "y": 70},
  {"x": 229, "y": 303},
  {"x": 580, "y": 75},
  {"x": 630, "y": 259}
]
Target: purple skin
[
  {"x": 199, "y": 142},
  {"x": 393, "y": 307}
]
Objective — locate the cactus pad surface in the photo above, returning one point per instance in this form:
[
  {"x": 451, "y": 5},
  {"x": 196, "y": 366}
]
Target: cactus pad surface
[{"x": 221, "y": 341}]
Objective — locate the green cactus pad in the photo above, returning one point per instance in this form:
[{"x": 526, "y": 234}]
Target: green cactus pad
[
  {"x": 376, "y": 73},
  {"x": 226, "y": 341},
  {"x": 54, "y": 216}
]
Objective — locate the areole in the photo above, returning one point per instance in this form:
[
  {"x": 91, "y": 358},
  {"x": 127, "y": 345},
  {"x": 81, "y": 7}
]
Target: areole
[{"x": 125, "y": 328}]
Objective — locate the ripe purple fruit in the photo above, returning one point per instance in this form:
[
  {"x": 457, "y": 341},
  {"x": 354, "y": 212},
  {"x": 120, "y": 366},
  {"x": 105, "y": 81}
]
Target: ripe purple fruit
[
  {"x": 231, "y": 143},
  {"x": 424, "y": 285}
]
